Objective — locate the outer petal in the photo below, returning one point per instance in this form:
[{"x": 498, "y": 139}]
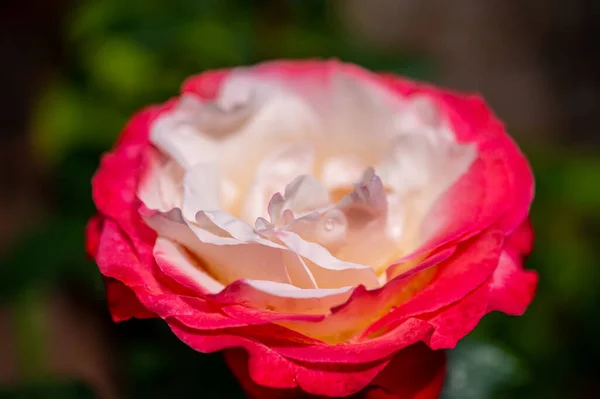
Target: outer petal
[
  {"x": 93, "y": 230},
  {"x": 157, "y": 293},
  {"x": 268, "y": 368},
  {"x": 122, "y": 302},
  {"x": 419, "y": 318},
  {"x": 413, "y": 373},
  {"x": 499, "y": 184},
  {"x": 114, "y": 186},
  {"x": 365, "y": 307},
  {"x": 466, "y": 270},
  {"x": 489, "y": 133},
  {"x": 375, "y": 312},
  {"x": 454, "y": 322},
  {"x": 521, "y": 241},
  {"x": 205, "y": 85},
  {"x": 512, "y": 288}
]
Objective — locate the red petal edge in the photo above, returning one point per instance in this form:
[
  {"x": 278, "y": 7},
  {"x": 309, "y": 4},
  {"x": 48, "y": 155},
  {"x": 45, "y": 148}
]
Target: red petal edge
[{"x": 415, "y": 372}]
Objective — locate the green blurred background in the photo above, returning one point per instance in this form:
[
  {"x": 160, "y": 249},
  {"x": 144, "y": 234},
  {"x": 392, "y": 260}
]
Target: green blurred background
[{"x": 73, "y": 71}]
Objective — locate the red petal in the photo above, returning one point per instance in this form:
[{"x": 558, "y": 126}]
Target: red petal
[
  {"x": 413, "y": 373},
  {"x": 122, "y": 302},
  {"x": 471, "y": 265},
  {"x": 512, "y": 288},
  {"x": 453, "y": 323},
  {"x": 93, "y": 230}
]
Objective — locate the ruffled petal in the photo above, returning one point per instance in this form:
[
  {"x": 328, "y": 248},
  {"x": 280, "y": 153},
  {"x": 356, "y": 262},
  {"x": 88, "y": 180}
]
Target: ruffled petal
[
  {"x": 122, "y": 302},
  {"x": 468, "y": 268},
  {"x": 454, "y": 322},
  {"x": 284, "y": 298},
  {"x": 269, "y": 369},
  {"x": 512, "y": 288},
  {"x": 177, "y": 263},
  {"x": 414, "y": 373}
]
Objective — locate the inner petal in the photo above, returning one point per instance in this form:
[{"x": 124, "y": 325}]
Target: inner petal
[
  {"x": 302, "y": 196},
  {"x": 288, "y": 298},
  {"x": 161, "y": 188},
  {"x": 356, "y": 229},
  {"x": 334, "y": 225},
  {"x": 176, "y": 135},
  {"x": 419, "y": 167},
  {"x": 273, "y": 174},
  {"x": 340, "y": 173}
]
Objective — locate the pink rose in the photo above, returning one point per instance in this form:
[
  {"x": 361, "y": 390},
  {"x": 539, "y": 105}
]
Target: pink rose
[{"x": 317, "y": 221}]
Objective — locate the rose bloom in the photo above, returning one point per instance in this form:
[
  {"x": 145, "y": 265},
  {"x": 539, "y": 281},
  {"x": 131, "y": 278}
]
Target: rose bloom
[{"x": 327, "y": 226}]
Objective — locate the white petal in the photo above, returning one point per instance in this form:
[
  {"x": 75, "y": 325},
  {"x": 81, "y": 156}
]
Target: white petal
[
  {"x": 273, "y": 174},
  {"x": 171, "y": 225},
  {"x": 409, "y": 163},
  {"x": 236, "y": 228},
  {"x": 175, "y": 134},
  {"x": 369, "y": 193},
  {"x": 328, "y": 271},
  {"x": 244, "y": 261},
  {"x": 342, "y": 171},
  {"x": 201, "y": 190},
  {"x": 287, "y": 298},
  {"x": 161, "y": 188},
  {"x": 303, "y": 195},
  {"x": 421, "y": 166},
  {"x": 230, "y": 194},
  {"x": 281, "y": 264},
  {"x": 175, "y": 262},
  {"x": 281, "y": 118},
  {"x": 419, "y": 112},
  {"x": 245, "y": 145},
  {"x": 358, "y": 116},
  {"x": 299, "y": 273},
  {"x": 396, "y": 217},
  {"x": 281, "y": 113},
  {"x": 224, "y": 256}
]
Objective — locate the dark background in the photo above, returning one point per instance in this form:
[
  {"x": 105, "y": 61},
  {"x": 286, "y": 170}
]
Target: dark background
[{"x": 71, "y": 73}]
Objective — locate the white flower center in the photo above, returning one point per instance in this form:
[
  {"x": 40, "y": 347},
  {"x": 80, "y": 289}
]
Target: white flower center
[{"x": 317, "y": 187}]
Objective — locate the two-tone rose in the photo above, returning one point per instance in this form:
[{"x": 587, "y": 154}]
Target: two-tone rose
[{"x": 318, "y": 221}]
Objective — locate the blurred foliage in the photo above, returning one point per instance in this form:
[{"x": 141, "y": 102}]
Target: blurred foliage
[
  {"x": 125, "y": 55},
  {"x": 56, "y": 389},
  {"x": 478, "y": 370}
]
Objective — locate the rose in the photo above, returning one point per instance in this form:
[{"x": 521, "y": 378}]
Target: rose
[{"x": 315, "y": 220}]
